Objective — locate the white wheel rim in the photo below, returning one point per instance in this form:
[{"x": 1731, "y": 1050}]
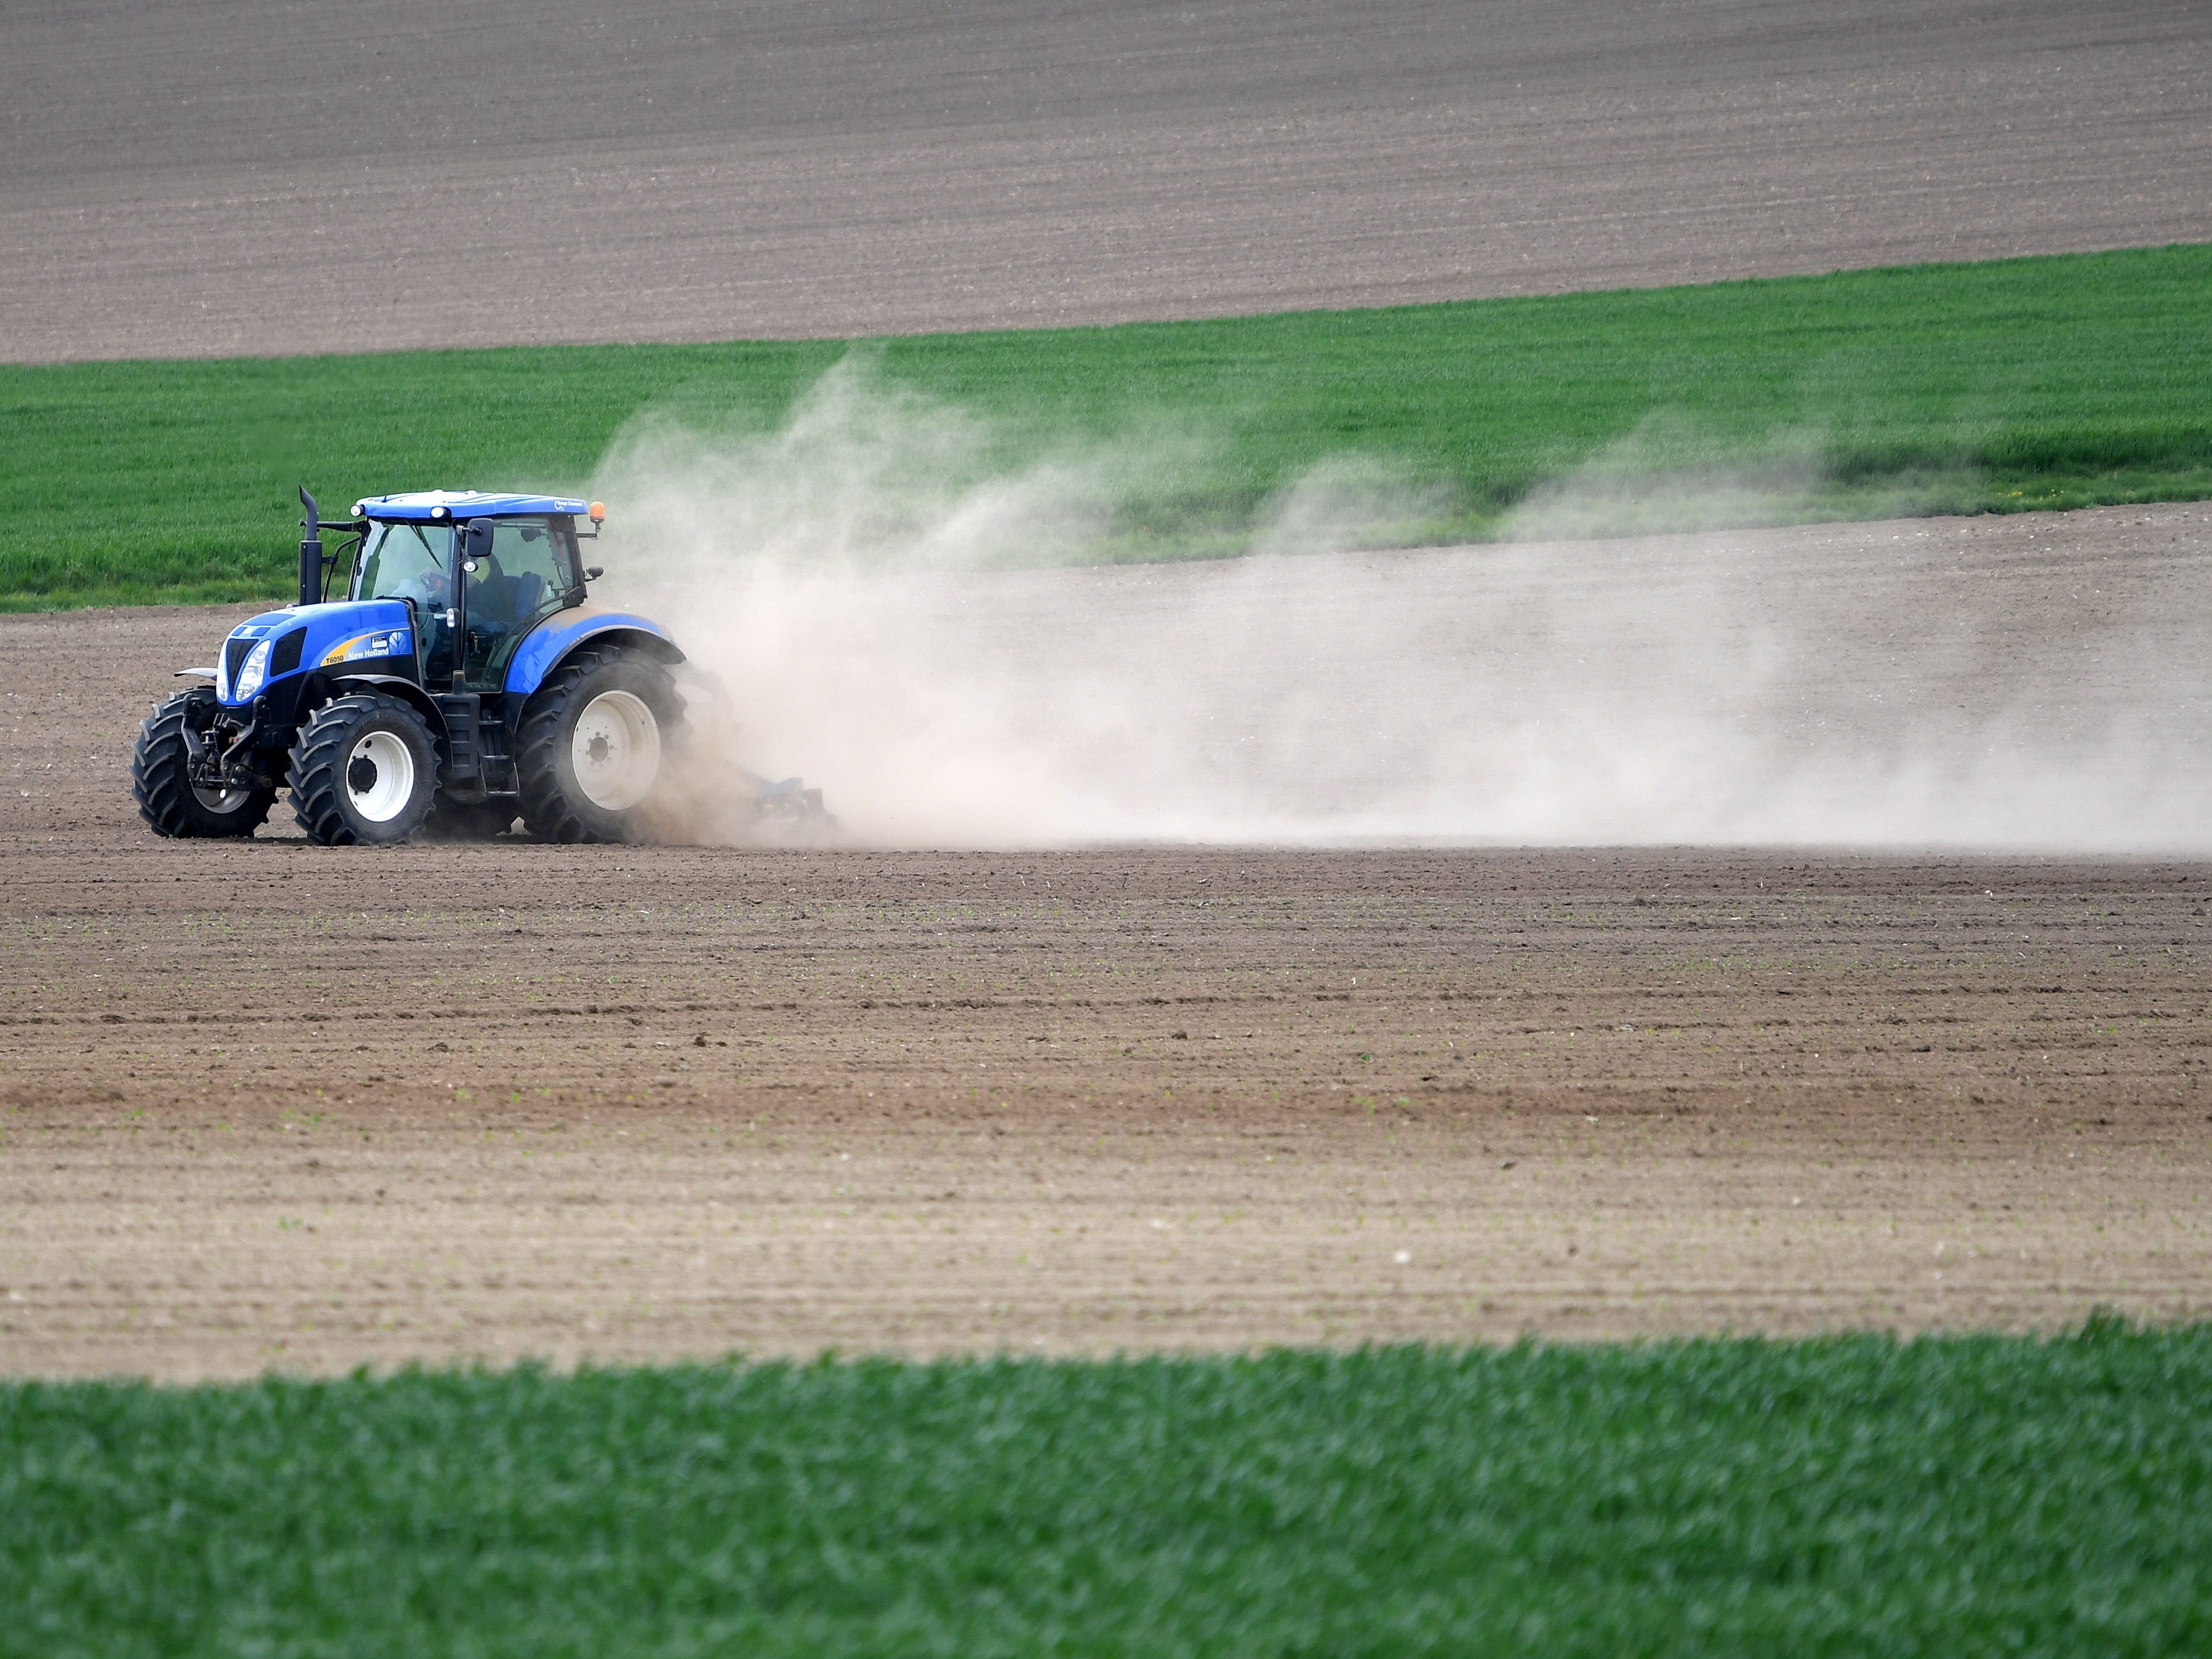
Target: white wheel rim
[
  {"x": 380, "y": 776},
  {"x": 220, "y": 800},
  {"x": 615, "y": 751}
]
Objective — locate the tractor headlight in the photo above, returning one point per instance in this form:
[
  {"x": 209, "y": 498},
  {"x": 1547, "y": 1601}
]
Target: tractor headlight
[
  {"x": 392, "y": 642},
  {"x": 251, "y": 672}
]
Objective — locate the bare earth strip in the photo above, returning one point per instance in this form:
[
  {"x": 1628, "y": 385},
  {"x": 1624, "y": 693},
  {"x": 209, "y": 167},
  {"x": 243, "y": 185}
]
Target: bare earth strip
[
  {"x": 268, "y": 1104},
  {"x": 244, "y": 177}
]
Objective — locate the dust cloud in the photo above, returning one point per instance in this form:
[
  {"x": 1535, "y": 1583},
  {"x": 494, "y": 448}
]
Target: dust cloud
[{"x": 1930, "y": 683}]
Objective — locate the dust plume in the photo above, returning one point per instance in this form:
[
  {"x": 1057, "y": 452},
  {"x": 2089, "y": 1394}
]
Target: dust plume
[{"x": 1920, "y": 683}]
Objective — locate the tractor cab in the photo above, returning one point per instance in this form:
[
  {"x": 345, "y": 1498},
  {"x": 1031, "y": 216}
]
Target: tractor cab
[{"x": 518, "y": 561}]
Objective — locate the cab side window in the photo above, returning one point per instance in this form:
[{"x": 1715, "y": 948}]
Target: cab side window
[{"x": 525, "y": 577}]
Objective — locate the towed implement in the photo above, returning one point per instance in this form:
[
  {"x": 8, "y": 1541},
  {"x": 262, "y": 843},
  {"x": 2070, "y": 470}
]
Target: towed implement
[{"x": 461, "y": 683}]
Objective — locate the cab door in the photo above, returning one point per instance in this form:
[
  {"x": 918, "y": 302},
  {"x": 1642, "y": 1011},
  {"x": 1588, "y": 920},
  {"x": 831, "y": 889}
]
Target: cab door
[{"x": 525, "y": 578}]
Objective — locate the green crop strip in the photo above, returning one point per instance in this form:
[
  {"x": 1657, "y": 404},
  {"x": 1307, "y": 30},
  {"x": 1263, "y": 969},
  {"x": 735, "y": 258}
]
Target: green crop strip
[
  {"x": 1956, "y": 1496},
  {"x": 2028, "y": 383}
]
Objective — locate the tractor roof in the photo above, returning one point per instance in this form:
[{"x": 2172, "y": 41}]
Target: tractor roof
[{"x": 447, "y": 506}]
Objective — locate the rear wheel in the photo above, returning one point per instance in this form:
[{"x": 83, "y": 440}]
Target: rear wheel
[
  {"x": 591, "y": 744},
  {"x": 364, "y": 770},
  {"x": 161, "y": 776}
]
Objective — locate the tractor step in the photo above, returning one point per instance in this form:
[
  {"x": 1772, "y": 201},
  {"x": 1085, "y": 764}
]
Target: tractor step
[{"x": 463, "y": 713}]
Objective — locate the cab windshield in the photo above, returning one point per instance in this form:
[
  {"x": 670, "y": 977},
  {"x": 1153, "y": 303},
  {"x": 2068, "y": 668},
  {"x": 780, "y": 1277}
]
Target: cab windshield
[
  {"x": 414, "y": 561},
  {"x": 408, "y": 561}
]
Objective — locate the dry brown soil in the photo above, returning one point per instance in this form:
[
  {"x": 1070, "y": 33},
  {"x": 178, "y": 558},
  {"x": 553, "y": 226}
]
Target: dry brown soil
[
  {"x": 268, "y": 1104},
  {"x": 259, "y": 177}
]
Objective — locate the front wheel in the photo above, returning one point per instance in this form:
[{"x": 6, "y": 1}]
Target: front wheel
[
  {"x": 589, "y": 750},
  {"x": 364, "y": 770},
  {"x": 161, "y": 781}
]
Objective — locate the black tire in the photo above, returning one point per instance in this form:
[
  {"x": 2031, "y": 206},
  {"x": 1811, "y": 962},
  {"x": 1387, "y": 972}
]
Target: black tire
[
  {"x": 364, "y": 771},
  {"x": 161, "y": 782},
  {"x": 478, "y": 820},
  {"x": 556, "y": 804}
]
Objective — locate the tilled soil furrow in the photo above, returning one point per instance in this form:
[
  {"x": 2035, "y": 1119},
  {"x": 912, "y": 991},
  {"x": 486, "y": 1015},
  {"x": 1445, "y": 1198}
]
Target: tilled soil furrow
[{"x": 262, "y": 1104}]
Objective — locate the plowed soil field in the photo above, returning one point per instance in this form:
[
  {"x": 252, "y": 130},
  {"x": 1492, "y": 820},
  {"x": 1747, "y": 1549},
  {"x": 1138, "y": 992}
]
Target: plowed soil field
[
  {"x": 268, "y": 1104},
  {"x": 243, "y": 177}
]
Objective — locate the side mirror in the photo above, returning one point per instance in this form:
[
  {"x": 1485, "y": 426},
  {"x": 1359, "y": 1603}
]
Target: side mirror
[
  {"x": 592, "y": 573},
  {"x": 476, "y": 545}
]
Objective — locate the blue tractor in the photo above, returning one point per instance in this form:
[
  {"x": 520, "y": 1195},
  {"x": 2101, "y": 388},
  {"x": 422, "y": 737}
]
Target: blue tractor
[{"x": 462, "y": 683}]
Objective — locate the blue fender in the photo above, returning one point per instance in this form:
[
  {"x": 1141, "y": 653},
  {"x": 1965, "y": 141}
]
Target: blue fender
[{"x": 541, "y": 650}]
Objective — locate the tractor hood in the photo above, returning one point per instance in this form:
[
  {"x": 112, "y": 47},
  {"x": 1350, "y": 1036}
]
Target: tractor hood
[{"x": 266, "y": 649}]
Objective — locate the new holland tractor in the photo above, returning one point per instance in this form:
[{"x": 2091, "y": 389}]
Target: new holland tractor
[{"x": 461, "y": 683}]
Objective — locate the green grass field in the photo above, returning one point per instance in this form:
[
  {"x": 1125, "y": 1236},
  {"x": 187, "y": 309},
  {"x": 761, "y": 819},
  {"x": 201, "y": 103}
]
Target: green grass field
[
  {"x": 1956, "y": 1496},
  {"x": 2045, "y": 382}
]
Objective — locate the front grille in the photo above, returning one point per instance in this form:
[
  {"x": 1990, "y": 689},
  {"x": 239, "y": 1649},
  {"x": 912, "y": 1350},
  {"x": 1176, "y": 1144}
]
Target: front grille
[{"x": 234, "y": 658}]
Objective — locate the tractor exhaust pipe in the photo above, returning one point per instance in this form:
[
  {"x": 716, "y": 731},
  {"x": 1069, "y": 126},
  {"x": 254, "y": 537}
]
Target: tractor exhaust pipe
[{"x": 311, "y": 553}]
